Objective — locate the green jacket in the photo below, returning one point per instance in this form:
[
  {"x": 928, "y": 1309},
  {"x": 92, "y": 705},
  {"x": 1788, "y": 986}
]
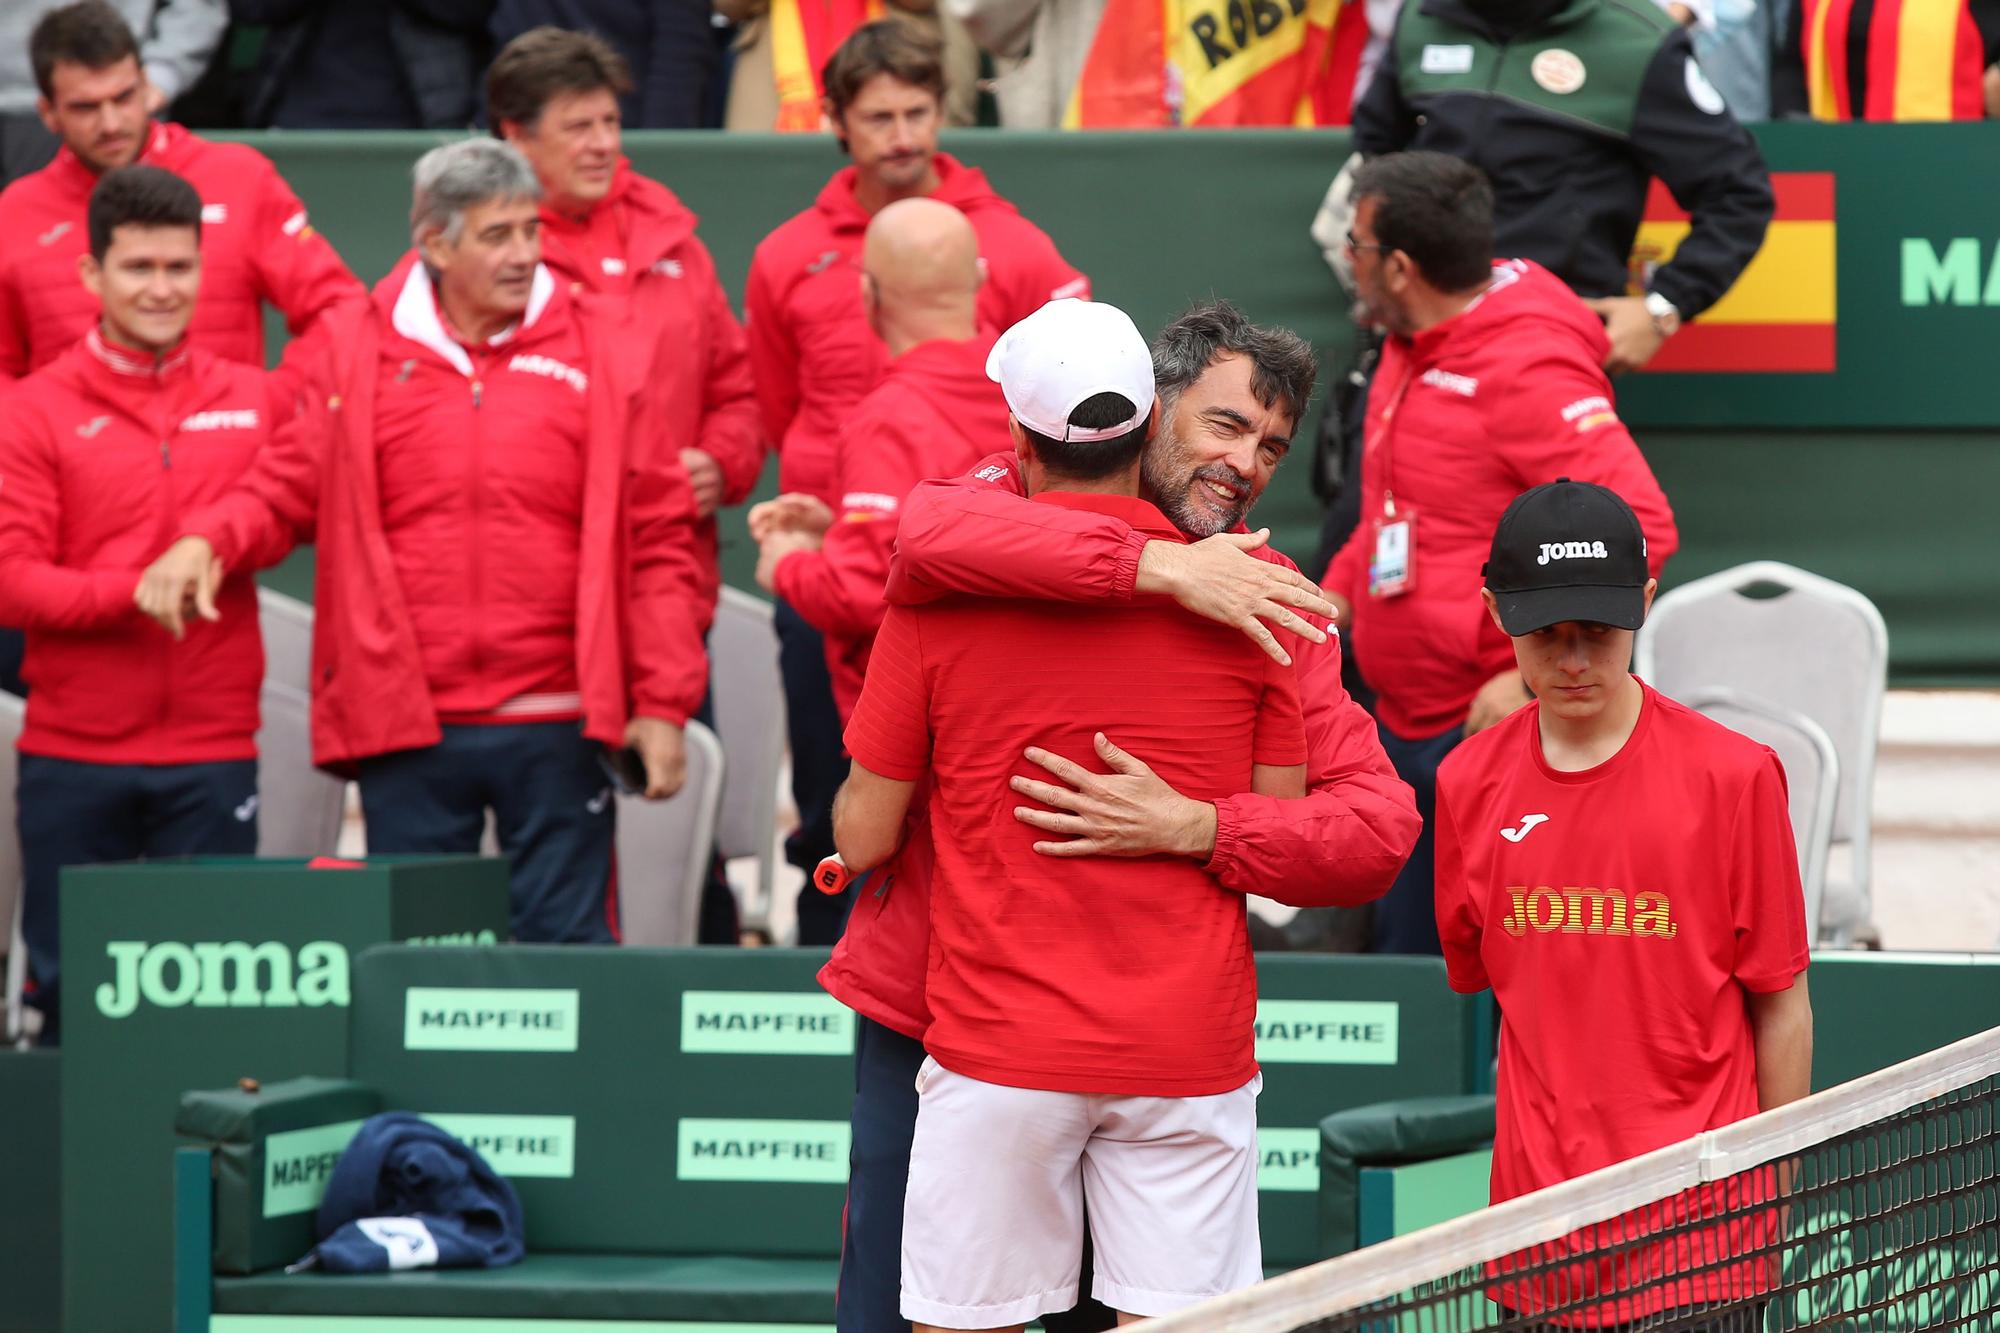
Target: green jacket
[{"x": 1570, "y": 118}]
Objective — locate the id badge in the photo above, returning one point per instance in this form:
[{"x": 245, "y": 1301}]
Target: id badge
[{"x": 1393, "y": 570}]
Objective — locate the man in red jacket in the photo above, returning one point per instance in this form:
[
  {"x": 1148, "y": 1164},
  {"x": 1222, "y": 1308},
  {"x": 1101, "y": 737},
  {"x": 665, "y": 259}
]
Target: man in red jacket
[
  {"x": 103, "y": 454},
  {"x": 507, "y": 579},
  {"x": 258, "y": 246},
  {"x": 1491, "y": 381},
  {"x": 1230, "y": 397},
  {"x": 815, "y": 356},
  {"x": 934, "y": 414},
  {"x": 553, "y": 94}
]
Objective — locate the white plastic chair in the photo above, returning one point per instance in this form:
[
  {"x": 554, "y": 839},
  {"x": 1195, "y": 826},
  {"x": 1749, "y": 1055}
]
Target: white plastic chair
[
  {"x": 749, "y": 700},
  {"x": 13, "y": 713},
  {"x": 299, "y": 808},
  {"x": 664, "y": 849},
  {"x": 287, "y": 627},
  {"x": 1817, "y": 648},
  {"x": 1812, "y": 778}
]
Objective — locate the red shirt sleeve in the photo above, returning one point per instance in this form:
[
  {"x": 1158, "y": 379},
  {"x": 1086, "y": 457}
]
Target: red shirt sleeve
[
  {"x": 274, "y": 505},
  {"x": 839, "y": 589},
  {"x": 774, "y": 362},
  {"x": 37, "y": 592},
  {"x": 297, "y": 271},
  {"x": 1766, "y": 898},
  {"x": 1343, "y": 842},
  {"x": 977, "y": 534},
  {"x": 890, "y": 732},
  {"x": 1036, "y": 273},
  {"x": 1460, "y": 917},
  {"x": 1281, "y": 733},
  {"x": 732, "y": 430},
  {"x": 1559, "y": 421},
  {"x": 13, "y": 329},
  {"x": 672, "y": 598}
]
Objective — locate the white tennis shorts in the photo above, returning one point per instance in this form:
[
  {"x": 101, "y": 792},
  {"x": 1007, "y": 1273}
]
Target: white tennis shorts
[{"x": 1000, "y": 1176}]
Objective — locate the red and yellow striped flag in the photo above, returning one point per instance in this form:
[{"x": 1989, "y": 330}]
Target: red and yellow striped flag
[
  {"x": 1219, "y": 63},
  {"x": 1780, "y": 315},
  {"x": 804, "y": 35}
]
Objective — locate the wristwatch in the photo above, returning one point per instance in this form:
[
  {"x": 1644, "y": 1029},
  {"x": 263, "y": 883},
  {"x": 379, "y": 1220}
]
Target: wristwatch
[{"x": 1666, "y": 319}]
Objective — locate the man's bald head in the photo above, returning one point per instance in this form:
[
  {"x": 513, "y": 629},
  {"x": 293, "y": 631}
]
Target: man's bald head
[{"x": 920, "y": 273}]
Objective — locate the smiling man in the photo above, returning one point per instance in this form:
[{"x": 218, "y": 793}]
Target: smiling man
[
  {"x": 553, "y": 94},
  {"x": 103, "y": 454},
  {"x": 1230, "y": 395},
  {"x": 257, "y": 243},
  {"x": 815, "y": 355},
  {"x": 1620, "y": 871},
  {"x": 507, "y": 576}
]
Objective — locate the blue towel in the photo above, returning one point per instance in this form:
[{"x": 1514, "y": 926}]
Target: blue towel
[{"x": 406, "y": 1194}]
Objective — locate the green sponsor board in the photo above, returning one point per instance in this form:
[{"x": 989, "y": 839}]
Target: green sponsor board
[
  {"x": 1327, "y": 1032},
  {"x": 299, "y": 1162},
  {"x": 716, "y": 1022},
  {"x": 802, "y": 1151},
  {"x": 541, "y": 1147},
  {"x": 463, "y": 1018},
  {"x": 195, "y": 974},
  {"x": 1288, "y": 1160}
]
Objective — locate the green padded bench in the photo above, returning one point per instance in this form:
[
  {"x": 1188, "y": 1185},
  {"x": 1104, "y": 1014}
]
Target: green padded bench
[
  {"x": 676, "y": 1124},
  {"x": 629, "y": 1096}
]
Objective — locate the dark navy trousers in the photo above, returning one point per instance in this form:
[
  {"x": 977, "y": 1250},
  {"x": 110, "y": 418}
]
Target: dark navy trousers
[
  {"x": 878, "y": 1176},
  {"x": 819, "y": 766},
  {"x": 553, "y": 809},
  {"x": 73, "y": 813},
  {"x": 1405, "y": 918}
]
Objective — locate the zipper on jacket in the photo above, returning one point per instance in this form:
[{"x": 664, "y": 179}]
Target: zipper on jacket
[
  {"x": 166, "y": 457},
  {"x": 473, "y": 570}
]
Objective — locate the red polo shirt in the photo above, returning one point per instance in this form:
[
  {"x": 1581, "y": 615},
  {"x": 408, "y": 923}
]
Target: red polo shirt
[
  {"x": 1105, "y": 975},
  {"x": 1621, "y": 916}
]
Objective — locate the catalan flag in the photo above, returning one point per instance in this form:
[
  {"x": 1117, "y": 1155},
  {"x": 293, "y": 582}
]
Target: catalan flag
[
  {"x": 1780, "y": 314},
  {"x": 1893, "y": 60}
]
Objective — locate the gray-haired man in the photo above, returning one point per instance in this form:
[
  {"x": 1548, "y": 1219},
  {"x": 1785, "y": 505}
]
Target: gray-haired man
[{"x": 505, "y": 588}]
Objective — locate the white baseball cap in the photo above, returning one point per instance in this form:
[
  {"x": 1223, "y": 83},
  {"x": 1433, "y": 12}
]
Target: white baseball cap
[{"x": 1064, "y": 353}]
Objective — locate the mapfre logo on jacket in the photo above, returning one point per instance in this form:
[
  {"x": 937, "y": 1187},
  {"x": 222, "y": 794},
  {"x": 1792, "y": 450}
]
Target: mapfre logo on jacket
[
  {"x": 246, "y": 419},
  {"x": 528, "y": 363}
]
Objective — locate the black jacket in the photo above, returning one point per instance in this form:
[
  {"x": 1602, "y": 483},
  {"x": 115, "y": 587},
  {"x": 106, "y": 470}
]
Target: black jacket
[
  {"x": 368, "y": 64},
  {"x": 670, "y": 45},
  {"x": 1570, "y": 117}
]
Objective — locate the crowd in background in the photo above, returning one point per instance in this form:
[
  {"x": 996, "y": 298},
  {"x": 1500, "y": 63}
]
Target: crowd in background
[{"x": 1026, "y": 64}]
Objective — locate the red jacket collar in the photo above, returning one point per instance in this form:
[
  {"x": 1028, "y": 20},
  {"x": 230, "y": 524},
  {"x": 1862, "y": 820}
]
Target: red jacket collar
[
  {"x": 656, "y": 222},
  {"x": 162, "y": 139},
  {"x": 408, "y": 307},
  {"x": 963, "y": 187},
  {"x": 1134, "y": 512},
  {"x": 129, "y": 365}
]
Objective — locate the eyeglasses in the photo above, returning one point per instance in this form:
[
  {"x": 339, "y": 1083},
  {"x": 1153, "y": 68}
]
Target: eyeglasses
[{"x": 1353, "y": 244}]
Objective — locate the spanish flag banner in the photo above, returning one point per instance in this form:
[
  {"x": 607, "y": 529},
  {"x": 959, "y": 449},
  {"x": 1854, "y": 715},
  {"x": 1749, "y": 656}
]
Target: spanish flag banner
[
  {"x": 1780, "y": 314},
  {"x": 1220, "y": 63},
  {"x": 1893, "y": 60},
  {"x": 804, "y": 34}
]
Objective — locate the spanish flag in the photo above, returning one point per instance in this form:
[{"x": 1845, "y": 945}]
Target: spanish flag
[
  {"x": 1219, "y": 63},
  {"x": 1780, "y": 314},
  {"x": 804, "y": 36},
  {"x": 1893, "y": 60}
]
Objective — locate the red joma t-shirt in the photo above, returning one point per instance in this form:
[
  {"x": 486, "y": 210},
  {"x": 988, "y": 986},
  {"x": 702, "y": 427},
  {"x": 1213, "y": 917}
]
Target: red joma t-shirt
[
  {"x": 1620, "y": 915},
  {"x": 1104, "y": 974}
]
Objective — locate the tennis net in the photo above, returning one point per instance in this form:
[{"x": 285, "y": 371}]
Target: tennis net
[{"x": 1873, "y": 1207}]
